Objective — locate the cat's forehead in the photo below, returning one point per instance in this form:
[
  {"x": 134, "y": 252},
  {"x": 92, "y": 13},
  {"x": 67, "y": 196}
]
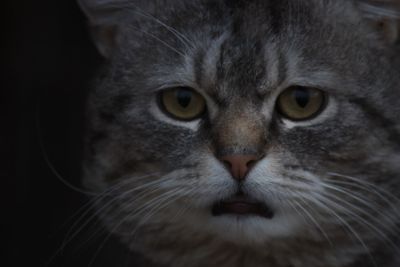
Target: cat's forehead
[
  {"x": 228, "y": 49},
  {"x": 251, "y": 49},
  {"x": 234, "y": 67}
]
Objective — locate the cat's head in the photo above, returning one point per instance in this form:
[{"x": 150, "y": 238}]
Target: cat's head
[{"x": 246, "y": 120}]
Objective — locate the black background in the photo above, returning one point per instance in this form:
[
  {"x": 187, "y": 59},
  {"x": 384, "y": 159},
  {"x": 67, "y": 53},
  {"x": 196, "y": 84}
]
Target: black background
[{"x": 47, "y": 63}]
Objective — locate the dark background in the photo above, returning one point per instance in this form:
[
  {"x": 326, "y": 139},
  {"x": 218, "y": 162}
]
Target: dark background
[{"x": 47, "y": 63}]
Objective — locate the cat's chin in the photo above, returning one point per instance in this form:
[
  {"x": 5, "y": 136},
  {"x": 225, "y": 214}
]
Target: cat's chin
[
  {"x": 254, "y": 228},
  {"x": 247, "y": 227}
]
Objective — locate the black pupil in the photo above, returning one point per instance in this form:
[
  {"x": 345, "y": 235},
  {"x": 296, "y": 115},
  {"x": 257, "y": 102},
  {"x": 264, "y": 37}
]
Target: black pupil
[
  {"x": 302, "y": 97},
  {"x": 184, "y": 97}
]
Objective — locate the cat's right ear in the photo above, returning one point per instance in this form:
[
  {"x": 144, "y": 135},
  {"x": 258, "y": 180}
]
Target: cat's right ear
[
  {"x": 384, "y": 16},
  {"x": 105, "y": 17}
]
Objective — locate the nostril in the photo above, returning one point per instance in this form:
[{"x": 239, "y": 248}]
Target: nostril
[
  {"x": 251, "y": 163},
  {"x": 227, "y": 164}
]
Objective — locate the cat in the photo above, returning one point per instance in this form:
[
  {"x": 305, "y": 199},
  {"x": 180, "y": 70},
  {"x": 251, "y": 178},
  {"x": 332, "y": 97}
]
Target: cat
[{"x": 247, "y": 133}]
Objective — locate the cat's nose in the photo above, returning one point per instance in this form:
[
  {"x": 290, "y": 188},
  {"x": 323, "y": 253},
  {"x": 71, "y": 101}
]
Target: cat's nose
[{"x": 239, "y": 165}]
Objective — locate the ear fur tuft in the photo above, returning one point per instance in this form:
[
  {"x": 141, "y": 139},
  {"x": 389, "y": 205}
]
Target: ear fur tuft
[
  {"x": 105, "y": 17},
  {"x": 384, "y": 16}
]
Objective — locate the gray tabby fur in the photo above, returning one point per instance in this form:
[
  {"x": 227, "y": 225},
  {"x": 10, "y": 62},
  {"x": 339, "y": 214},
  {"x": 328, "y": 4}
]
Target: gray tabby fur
[{"x": 333, "y": 182}]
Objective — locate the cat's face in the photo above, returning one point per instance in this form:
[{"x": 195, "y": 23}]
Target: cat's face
[{"x": 247, "y": 120}]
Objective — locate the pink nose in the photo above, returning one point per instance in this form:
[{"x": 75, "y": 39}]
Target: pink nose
[{"x": 239, "y": 165}]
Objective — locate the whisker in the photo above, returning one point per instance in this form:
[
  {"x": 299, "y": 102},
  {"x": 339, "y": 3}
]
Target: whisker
[
  {"x": 139, "y": 11},
  {"x": 159, "y": 200},
  {"x": 181, "y": 37},
  {"x": 161, "y": 204},
  {"x": 102, "y": 195},
  {"x": 136, "y": 198},
  {"x": 366, "y": 183},
  {"x": 356, "y": 196},
  {"x": 320, "y": 202},
  {"x": 86, "y": 209},
  {"x": 90, "y": 206},
  {"x": 47, "y": 160},
  {"x": 381, "y": 234},
  {"x": 309, "y": 215},
  {"x": 158, "y": 39},
  {"x": 109, "y": 203}
]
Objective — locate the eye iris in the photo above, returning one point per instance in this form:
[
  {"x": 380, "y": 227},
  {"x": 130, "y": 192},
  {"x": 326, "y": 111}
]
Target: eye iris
[
  {"x": 300, "y": 103},
  {"x": 184, "y": 97},
  {"x": 302, "y": 97},
  {"x": 182, "y": 103}
]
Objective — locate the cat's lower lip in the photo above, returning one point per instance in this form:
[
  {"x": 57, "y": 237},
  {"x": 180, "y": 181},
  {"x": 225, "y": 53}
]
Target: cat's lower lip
[{"x": 242, "y": 206}]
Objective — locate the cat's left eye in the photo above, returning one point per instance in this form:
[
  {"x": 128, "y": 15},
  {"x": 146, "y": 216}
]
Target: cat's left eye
[
  {"x": 301, "y": 103},
  {"x": 182, "y": 103}
]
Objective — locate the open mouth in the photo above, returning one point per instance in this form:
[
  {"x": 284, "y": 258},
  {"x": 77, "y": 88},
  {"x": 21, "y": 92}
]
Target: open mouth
[{"x": 242, "y": 205}]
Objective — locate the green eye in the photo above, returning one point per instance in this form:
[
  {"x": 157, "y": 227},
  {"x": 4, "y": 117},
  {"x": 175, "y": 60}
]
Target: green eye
[
  {"x": 301, "y": 103},
  {"x": 182, "y": 103}
]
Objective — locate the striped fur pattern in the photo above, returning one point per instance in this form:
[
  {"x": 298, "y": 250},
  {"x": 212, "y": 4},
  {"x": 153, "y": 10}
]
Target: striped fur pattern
[{"x": 333, "y": 181}]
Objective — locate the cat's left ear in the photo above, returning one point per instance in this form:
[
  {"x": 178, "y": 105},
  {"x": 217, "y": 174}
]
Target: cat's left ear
[
  {"x": 384, "y": 15},
  {"x": 105, "y": 18}
]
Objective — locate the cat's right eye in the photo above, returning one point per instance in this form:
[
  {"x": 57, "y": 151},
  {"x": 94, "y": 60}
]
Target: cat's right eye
[{"x": 182, "y": 103}]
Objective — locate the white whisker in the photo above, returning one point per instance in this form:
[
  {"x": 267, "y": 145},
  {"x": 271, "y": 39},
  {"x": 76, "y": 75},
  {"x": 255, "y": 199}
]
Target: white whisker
[
  {"x": 321, "y": 202},
  {"x": 381, "y": 234},
  {"x": 366, "y": 183},
  {"x": 318, "y": 225},
  {"x": 152, "y": 204}
]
